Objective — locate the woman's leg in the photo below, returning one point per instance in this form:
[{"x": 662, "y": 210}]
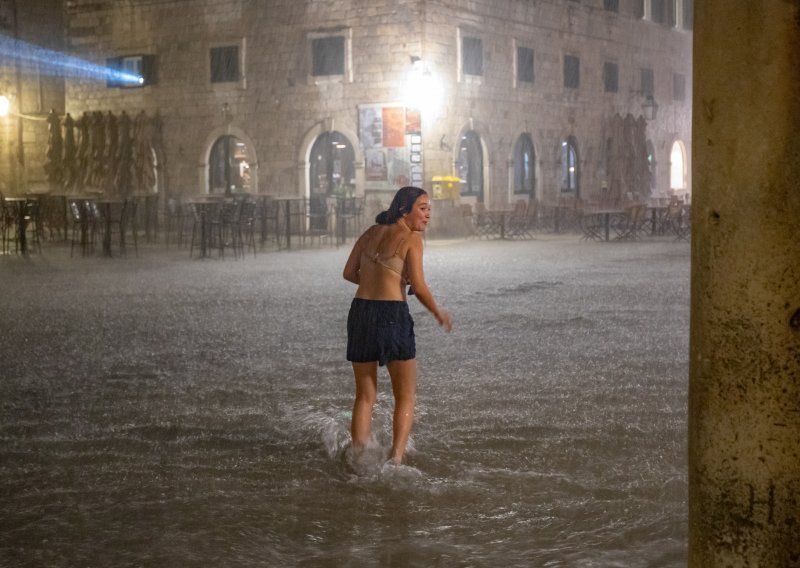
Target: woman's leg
[
  {"x": 404, "y": 387},
  {"x": 366, "y": 375}
]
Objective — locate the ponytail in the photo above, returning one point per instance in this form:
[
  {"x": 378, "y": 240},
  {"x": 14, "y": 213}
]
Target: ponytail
[{"x": 401, "y": 204}]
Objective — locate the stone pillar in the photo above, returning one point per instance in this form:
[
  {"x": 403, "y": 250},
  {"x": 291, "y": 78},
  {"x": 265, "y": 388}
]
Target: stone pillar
[{"x": 744, "y": 388}]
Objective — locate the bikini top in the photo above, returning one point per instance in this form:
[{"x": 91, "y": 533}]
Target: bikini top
[{"x": 392, "y": 262}]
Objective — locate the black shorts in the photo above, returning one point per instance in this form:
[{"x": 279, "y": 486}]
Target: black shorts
[{"x": 380, "y": 330}]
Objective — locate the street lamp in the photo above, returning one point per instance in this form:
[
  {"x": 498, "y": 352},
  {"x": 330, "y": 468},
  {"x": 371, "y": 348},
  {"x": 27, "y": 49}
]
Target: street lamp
[
  {"x": 5, "y": 110},
  {"x": 423, "y": 89}
]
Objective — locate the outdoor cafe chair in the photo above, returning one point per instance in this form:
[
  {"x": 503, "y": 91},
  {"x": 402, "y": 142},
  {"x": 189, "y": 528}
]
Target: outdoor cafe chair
[
  {"x": 175, "y": 217},
  {"x": 84, "y": 227},
  {"x": 520, "y": 221},
  {"x": 6, "y": 222},
  {"x": 485, "y": 223},
  {"x": 591, "y": 223},
  {"x": 223, "y": 221},
  {"x": 33, "y": 223},
  {"x": 630, "y": 223},
  {"x": 318, "y": 218},
  {"x": 128, "y": 221},
  {"x": 680, "y": 220},
  {"x": 244, "y": 227}
]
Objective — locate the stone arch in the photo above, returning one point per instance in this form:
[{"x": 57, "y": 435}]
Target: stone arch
[
  {"x": 485, "y": 143},
  {"x": 304, "y": 154},
  {"x": 208, "y": 144}
]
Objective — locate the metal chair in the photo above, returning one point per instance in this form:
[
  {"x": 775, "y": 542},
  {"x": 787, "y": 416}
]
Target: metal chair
[
  {"x": 486, "y": 224},
  {"x": 318, "y": 217},
  {"x": 244, "y": 227},
  {"x": 520, "y": 221},
  {"x": 83, "y": 225}
]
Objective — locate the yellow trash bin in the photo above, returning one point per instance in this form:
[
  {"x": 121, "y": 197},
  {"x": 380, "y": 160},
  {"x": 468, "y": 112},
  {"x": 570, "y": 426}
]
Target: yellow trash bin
[{"x": 446, "y": 187}]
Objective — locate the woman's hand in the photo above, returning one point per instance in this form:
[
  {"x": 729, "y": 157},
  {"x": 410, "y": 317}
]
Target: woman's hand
[{"x": 445, "y": 320}]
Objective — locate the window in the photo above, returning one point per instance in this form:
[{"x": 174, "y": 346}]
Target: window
[
  {"x": 611, "y": 77},
  {"x": 688, "y": 14},
  {"x": 678, "y": 87},
  {"x": 647, "y": 85},
  {"x": 328, "y": 56},
  {"x": 572, "y": 72},
  {"x": 611, "y": 5},
  {"x": 472, "y": 56},
  {"x": 524, "y": 166},
  {"x": 470, "y": 165},
  {"x": 524, "y": 65},
  {"x": 570, "y": 173},
  {"x": 224, "y": 64},
  {"x": 667, "y": 12},
  {"x": 131, "y": 71},
  {"x": 658, "y": 11}
]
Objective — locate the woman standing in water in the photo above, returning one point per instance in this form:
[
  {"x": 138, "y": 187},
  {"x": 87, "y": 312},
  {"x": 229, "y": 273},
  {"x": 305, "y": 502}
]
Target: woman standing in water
[{"x": 380, "y": 330}]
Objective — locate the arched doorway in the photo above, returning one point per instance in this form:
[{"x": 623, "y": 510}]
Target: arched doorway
[
  {"x": 570, "y": 169},
  {"x": 524, "y": 167},
  {"x": 331, "y": 172},
  {"x": 469, "y": 165},
  {"x": 677, "y": 168},
  {"x": 229, "y": 166}
]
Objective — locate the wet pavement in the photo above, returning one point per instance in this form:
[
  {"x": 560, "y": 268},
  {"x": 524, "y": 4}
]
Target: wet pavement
[{"x": 168, "y": 411}]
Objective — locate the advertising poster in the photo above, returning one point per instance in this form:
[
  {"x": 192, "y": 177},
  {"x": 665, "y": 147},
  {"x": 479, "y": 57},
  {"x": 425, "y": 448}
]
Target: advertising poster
[{"x": 392, "y": 142}]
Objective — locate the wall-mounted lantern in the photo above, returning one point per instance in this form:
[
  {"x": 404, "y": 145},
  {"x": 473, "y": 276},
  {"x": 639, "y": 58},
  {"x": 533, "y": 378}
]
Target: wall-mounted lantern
[{"x": 650, "y": 108}]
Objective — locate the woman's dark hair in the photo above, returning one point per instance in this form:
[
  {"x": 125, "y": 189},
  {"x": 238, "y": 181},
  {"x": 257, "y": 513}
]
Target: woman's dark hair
[{"x": 401, "y": 204}]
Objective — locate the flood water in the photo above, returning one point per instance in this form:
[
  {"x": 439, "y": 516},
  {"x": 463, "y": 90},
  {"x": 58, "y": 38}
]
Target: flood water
[{"x": 162, "y": 411}]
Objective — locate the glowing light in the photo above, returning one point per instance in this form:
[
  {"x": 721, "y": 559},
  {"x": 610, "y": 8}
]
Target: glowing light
[
  {"x": 53, "y": 63},
  {"x": 5, "y": 105},
  {"x": 423, "y": 89}
]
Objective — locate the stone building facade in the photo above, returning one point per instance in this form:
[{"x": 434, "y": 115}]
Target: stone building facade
[
  {"x": 28, "y": 28},
  {"x": 516, "y": 98}
]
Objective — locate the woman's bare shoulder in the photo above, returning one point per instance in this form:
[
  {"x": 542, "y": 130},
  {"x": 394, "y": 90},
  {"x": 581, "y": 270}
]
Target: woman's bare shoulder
[
  {"x": 413, "y": 241},
  {"x": 369, "y": 232},
  {"x": 416, "y": 238}
]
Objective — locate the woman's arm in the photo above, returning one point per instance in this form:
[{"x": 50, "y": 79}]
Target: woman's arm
[{"x": 416, "y": 277}]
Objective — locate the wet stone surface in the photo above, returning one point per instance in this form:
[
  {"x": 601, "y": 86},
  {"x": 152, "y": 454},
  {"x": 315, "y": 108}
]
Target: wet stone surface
[{"x": 162, "y": 411}]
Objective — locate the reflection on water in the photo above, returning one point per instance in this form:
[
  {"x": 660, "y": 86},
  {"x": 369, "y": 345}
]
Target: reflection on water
[{"x": 160, "y": 412}]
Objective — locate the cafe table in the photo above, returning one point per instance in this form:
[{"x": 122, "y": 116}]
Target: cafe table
[
  {"x": 287, "y": 208},
  {"x": 501, "y": 218}
]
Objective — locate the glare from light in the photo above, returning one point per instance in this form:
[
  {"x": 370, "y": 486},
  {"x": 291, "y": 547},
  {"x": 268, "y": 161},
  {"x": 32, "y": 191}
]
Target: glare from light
[
  {"x": 53, "y": 63},
  {"x": 5, "y": 106},
  {"x": 423, "y": 90}
]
